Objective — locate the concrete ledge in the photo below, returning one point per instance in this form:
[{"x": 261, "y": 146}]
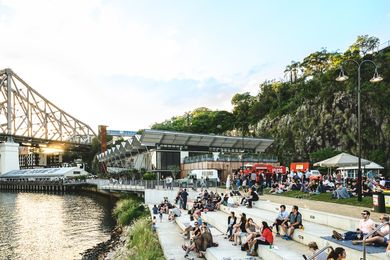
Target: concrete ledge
[
  {"x": 282, "y": 250},
  {"x": 324, "y": 218},
  {"x": 311, "y": 232}
]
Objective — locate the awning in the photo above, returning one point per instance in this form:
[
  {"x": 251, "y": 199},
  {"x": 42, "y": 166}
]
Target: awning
[
  {"x": 371, "y": 166},
  {"x": 157, "y": 137},
  {"x": 342, "y": 160}
]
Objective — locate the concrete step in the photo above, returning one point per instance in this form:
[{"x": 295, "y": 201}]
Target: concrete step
[
  {"x": 332, "y": 220},
  {"x": 224, "y": 250},
  {"x": 170, "y": 238},
  {"x": 281, "y": 250},
  {"x": 311, "y": 232}
]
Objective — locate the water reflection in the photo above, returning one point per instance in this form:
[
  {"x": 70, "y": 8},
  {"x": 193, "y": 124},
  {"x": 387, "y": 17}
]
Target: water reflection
[{"x": 52, "y": 226}]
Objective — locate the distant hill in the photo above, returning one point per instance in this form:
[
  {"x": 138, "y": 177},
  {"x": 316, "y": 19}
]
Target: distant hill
[{"x": 311, "y": 115}]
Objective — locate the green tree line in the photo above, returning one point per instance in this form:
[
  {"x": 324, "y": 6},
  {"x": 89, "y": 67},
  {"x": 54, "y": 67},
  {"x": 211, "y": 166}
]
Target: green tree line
[{"x": 309, "y": 113}]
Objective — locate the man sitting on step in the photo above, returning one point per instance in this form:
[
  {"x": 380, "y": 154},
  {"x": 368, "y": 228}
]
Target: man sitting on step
[
  {"x": 293, "y": 221},
  {"x": 366, "y": 225}
]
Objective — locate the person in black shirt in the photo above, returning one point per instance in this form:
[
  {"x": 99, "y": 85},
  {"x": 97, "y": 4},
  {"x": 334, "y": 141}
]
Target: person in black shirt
[
  {"x": 184, "y": 196},
  {"x": 232, "y": 219},
  {"x": 252, "y": 197}
]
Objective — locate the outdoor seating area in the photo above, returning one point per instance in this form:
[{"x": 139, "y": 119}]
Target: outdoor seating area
[{"x": 316, "y": 226}]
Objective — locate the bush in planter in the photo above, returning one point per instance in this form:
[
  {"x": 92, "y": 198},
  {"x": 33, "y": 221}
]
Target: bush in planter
[{"x": 149, "y": 176}]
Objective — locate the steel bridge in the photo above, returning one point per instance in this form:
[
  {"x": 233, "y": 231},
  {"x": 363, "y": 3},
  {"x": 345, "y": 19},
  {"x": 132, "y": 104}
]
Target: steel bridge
[{"x": 26, "y": 116}]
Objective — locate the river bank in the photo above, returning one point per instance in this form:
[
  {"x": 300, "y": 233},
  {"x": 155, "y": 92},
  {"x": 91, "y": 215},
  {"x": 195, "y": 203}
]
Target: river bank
[{"x": 132, "y": 238}]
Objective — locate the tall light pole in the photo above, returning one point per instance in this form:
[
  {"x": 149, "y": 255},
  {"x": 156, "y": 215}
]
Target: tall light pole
[{"x": 374, "y": 79}]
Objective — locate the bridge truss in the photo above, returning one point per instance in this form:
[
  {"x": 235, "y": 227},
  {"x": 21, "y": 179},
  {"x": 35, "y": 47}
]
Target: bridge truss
[{"x": 26, "y": 116}]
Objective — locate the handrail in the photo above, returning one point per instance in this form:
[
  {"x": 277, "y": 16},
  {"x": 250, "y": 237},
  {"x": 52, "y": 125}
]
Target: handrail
[
  {"x": 368, "y": 235},
  {"x": 319, "y": 252}
]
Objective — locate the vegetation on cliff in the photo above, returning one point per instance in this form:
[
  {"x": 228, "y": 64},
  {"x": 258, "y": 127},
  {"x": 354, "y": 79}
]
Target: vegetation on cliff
[{"x": 310, "y": 115}]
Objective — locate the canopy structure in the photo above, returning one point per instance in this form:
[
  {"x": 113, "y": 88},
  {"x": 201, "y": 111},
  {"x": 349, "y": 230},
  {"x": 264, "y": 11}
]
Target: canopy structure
[
  {"x": 65, "y": 172},
  {"x": 342, "y": 160},
  {"x": 157, "y": 137},
  {"x": 371, "y": 166}
]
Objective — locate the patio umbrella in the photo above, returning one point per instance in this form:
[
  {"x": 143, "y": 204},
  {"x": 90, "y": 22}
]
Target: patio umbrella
[{"x": 342, "y": 160}]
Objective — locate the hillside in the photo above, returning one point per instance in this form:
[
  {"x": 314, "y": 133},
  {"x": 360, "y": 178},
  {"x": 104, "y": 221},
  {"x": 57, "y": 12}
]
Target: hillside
[{"x": 311, "y": 115}]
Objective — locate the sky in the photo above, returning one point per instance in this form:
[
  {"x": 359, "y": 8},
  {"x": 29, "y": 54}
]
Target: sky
[{"x": 128, "y": 64}]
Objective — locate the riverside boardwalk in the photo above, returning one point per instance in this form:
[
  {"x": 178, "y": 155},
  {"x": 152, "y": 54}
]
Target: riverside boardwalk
[{"x": 319, "y": 219}]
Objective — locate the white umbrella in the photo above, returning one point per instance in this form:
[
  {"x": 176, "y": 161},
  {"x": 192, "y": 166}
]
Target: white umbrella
[
  {"x": 371, "y": 166},
  {"x": 342, "y": 160}
]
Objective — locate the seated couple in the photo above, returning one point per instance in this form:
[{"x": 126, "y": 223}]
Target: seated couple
[
  {"x": 366, "y": 226},
  {"x": 288, "y": 222}
]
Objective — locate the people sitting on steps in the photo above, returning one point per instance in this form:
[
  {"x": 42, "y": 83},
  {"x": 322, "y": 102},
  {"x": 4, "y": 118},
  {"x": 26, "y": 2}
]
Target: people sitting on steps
[
  {"x": 239, "y": 230},
  {"x": 366, "y": 225},
  {"x": 265, "y": 238},
  {"x": 252, "y": 230},
  {"x": 173, "y": 213},
  {"x": 380, "y": 237},
  {"x": 280, "y": 218},
  {"x": 293, "y": 221},
  {"x": 189, "y": 228},
  {"x": 232, "y": 219},
  {"x": 201, "y": 240}
]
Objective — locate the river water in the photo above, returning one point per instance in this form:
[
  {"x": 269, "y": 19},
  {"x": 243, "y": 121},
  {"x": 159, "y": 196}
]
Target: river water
[{"x": 52, "y": 226}]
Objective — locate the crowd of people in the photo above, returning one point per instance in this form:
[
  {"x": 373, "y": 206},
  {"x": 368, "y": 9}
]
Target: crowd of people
[
  {"x": 243, "y": 231},
  {"x": 335, "y": 183}
]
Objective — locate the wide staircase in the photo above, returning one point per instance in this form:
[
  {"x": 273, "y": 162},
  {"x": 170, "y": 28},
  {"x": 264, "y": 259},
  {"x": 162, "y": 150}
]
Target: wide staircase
[{"x": 316, "y": 226}]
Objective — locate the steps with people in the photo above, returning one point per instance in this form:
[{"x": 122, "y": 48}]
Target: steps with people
[
  {"x": 324, "y": 218},
  {"x": 311, "y": 231},
  {"x": 283, "y": 250},
  {"x": 223, "y": 251}
]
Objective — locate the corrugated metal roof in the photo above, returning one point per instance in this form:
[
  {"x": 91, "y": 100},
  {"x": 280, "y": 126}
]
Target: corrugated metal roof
[
  {"x": 46, "y": 172},
  {"x": 156, "y": 137}
]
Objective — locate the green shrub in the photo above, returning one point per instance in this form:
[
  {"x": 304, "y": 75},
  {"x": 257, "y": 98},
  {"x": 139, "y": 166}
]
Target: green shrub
[
  {"x": 143, "y": 242},
  {"x": 127, "y": 210},
  {"x": 149, "y": 176}
]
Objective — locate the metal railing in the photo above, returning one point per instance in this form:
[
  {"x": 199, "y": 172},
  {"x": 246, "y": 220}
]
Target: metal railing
[
  {"x": 368, "y": 235},
  {"x": 319, "y": 252},
  {"x": 139, "y": 185}
]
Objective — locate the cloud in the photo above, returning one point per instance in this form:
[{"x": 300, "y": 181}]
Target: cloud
[{"x": 104, "y": 66}]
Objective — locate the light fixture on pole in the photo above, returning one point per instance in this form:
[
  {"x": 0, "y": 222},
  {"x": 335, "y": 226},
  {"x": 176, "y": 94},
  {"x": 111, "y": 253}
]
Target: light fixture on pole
[{"x": 376, "y": 78}]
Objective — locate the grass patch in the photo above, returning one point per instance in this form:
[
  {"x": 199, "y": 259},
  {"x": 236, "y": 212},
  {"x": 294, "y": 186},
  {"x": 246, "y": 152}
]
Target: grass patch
[
  {"x": 143, "y": 243},
  {"x": 326, "y": 197},
  {"x": 127, "y": 210}
]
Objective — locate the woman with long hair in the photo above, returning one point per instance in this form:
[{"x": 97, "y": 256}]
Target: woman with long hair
[
  {"x": 266, "y": 238},
  {"x": 240, "y": 229},
  {"x": 337, "y": 254}
]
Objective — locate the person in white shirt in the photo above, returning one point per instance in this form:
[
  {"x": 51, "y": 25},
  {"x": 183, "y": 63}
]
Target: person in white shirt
[
  {"x": 230, "y": 202},
  {"x": 282, "y": 215},
  {"x": 366, "y": 225},
  {"x": 380, "y": 237}
]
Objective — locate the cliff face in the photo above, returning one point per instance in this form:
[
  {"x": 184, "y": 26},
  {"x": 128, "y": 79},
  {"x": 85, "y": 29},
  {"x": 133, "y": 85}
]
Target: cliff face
[{"x": 330, "y": 123}]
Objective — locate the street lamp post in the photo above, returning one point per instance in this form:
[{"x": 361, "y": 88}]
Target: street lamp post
[{"x": 374, "y": 79}]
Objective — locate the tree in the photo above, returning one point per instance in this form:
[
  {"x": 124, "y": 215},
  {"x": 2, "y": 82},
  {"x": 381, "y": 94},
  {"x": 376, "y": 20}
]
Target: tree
[
  {"x": 174, "y": 169},
  {"x": 363, "y": 45}
]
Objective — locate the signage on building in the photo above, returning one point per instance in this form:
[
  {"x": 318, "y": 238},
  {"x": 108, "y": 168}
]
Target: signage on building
[{"x": 121, "y": 133}]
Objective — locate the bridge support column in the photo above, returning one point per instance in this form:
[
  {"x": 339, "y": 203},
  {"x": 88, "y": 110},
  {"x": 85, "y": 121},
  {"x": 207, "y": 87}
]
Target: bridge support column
[{"x": 9, "y": 159}]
